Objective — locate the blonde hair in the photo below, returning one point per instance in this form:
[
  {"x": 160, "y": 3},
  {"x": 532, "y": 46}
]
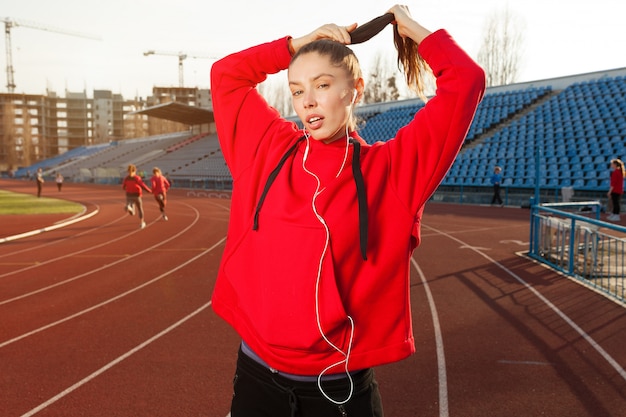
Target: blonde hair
[
  {"x": 410, "y": 61},
  {"x": 132, "y": 168},
  {"x": 156, "y": 171},
  {"x": 620, "y": 165}
]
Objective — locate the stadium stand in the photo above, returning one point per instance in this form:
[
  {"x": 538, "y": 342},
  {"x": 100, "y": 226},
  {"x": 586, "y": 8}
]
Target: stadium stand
[
  {"x": 576, "y": 133},
  {"x": 560, "y": 132}
]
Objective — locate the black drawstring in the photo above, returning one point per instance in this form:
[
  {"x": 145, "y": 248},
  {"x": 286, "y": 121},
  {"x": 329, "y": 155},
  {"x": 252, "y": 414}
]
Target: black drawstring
[
  {"x": 293, "y": 397},
  {"x": 361, "y": 196},
  {"x": 360, "y": 191},
  {"x": 270, "y": 181}
]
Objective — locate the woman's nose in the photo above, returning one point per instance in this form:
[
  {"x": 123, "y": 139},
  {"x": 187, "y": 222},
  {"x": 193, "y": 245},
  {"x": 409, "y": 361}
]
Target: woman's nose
[{"x": 309, "y": 99}]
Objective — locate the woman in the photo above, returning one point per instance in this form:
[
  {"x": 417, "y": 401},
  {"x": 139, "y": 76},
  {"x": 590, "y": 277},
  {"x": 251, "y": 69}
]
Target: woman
[
  {"x": 160, "y": 185},
  {"x": 315, "y": 271},
  {"x": 40, "y": 180},
  {"x": 616, "y": 188},
  {"x": 59, "y": 181},
  {"x": 133, "y": 185}
]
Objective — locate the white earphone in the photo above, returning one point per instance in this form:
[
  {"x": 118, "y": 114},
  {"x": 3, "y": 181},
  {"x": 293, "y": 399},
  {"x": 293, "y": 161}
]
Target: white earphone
[{"x": 354, "y": 96}]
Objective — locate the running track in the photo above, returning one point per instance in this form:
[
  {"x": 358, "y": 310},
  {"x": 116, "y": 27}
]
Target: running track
[{"x": 100, "y": 318}]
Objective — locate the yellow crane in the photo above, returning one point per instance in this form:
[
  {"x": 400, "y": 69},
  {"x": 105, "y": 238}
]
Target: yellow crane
[
  {"x": 10, "y": 23},
  {"x": 181, "y": 57}
]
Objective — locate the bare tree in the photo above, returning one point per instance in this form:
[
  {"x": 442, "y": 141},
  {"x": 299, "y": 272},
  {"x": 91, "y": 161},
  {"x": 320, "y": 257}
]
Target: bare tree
[
  {"x": 386, "y": 82},
  {"x": 381, "y": 82},
  {"x": 501, "y": 51},
  {"x": 274, "y": 89}
]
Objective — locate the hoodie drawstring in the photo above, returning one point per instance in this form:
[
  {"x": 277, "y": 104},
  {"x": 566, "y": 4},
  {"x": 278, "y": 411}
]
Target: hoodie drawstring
[
  {"x": 361, "y": 197},
  {"x": 360, "y": 191},
  {"x": 270, "y": 181}
]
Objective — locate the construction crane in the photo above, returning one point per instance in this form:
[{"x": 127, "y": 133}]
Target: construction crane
[
  {"x": 181, "y": 57},
  {"x": 11, "y": 23}
]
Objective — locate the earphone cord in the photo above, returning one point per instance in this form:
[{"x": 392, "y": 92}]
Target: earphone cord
[
  {"x": 345, "y": 155},
  {"x": 346, "y": 354}
]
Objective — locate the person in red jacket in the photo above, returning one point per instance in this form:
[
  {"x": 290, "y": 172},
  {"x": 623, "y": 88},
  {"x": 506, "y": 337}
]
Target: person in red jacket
[
  {"x": 315, "y": 271},
  {"x": 160, "y": 185},
  {"x": 616, "y": 188},
  {"x": 133, "y": 185}
]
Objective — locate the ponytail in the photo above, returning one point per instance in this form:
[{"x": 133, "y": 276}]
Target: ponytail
[{"x": 409, "y": 59}]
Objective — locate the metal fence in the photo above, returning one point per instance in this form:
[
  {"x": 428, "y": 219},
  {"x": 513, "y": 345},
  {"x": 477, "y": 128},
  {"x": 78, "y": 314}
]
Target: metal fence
[{"x": 571, "y": 238}]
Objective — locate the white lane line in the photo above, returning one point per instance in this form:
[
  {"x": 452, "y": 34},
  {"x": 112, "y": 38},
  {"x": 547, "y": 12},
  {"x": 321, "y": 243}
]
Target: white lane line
[
  {"x": 60, "y": 241},
  {"x": 110, "y": 300},
  {"x": 538, "y": 363},
  {"x": 74, "y": 278},
  {"x": 441, "y": 357},
  {"x": 618, "y": 368},
  {"x": 74, "y": 219},
  {"x": 113, "y": 363},
  {"x": 124, "y": 236}
]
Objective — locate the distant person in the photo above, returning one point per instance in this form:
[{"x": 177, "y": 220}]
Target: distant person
[
  {"x": 616, "y": 188},
  {"x": 160, "y": 185},
  {"x": 496, "y": 181},
  {"x": 40, "y": 181},
  {"x": 133, "y": 185},
  {"x": 59, "y": 181}
]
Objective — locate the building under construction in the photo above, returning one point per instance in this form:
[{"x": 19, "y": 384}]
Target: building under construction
[{"x": 37, "y": 127}]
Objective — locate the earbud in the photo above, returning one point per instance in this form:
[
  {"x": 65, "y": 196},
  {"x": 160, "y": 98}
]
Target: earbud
[{"x": 354, "y": 96}]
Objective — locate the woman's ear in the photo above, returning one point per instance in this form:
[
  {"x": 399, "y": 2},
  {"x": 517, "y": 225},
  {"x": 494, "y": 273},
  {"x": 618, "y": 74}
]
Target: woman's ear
[{"x": 359, "y": 87}]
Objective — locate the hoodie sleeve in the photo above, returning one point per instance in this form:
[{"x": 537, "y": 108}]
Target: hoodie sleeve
[
  {"x": 424, "y": 150},
  {"x": 242, "y": 116},
  {"x": 143, "y": 184}
]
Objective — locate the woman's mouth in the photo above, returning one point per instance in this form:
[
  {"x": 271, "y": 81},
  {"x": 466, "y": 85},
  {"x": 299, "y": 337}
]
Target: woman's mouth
[{"x": 314, "y": 122}]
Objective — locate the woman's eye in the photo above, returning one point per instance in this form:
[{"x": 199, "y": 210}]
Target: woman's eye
[{"x": 296, "y": 93}]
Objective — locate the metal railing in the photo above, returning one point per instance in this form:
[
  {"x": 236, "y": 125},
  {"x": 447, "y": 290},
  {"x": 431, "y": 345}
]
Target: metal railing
[{"x": 580, "y": 245}]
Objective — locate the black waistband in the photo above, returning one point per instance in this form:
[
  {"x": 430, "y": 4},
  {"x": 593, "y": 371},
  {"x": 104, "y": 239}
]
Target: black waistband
[{"x": 336, "y": 388}]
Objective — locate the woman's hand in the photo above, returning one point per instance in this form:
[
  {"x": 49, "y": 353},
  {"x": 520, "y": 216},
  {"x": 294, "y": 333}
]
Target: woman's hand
[
  {"x": 407, "y": 26},
  {"x": 329, "y": 31}
]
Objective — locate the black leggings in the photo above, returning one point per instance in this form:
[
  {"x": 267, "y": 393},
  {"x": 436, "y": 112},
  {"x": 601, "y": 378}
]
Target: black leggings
[
  {"x": 161, "y": 201},
  {"x": 496, "y": 194},
  {"x": 258, "y": 392},
  {"x": 615, "y": 198}
]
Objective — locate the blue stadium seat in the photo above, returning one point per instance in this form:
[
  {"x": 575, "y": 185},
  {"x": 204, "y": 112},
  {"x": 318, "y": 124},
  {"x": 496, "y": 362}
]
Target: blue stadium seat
[{"x": 591, "y": 183}]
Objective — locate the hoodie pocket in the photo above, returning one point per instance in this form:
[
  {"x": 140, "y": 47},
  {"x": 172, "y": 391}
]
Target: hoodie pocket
[{"x": 275, "y": 275}]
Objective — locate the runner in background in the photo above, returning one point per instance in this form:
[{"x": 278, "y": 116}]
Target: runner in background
[
  {"x": 160, "y": 185},
  {"x": 133, "y": 185}
]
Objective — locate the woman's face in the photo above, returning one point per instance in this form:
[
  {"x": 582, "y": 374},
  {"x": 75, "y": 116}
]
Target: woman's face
[{"x": 322, "y": 95}]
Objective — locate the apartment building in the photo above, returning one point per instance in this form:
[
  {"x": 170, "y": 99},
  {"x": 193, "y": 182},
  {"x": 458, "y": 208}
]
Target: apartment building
[{"x": 36, "y": 127}]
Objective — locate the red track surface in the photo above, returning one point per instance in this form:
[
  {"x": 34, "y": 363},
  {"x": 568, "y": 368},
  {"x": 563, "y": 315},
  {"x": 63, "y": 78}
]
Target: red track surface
[{"x": 100, "y": 318}]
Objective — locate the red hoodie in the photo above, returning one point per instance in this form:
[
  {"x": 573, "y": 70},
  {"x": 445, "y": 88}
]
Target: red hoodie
[
  {"x": 285, "y": 287},
  {"x": 159, "y": 184},
  {"x": 617, "y": 181},
  {"x": 134, "y": 184}
]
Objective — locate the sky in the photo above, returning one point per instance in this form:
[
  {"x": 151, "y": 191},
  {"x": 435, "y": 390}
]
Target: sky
[{"x": 560, "y": 37}]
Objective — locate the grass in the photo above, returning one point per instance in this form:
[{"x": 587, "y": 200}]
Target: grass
[{"x": 16, "y": 203}]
